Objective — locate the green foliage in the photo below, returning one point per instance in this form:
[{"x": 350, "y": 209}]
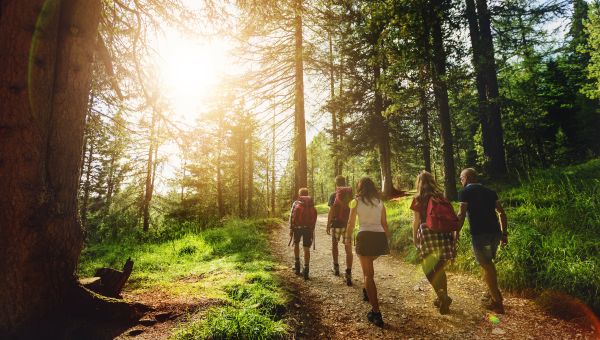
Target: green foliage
[
  {"x": 592, "y": 28},
  {"x": 554, "y": 227},
  {"x": 230, "y": 263}
]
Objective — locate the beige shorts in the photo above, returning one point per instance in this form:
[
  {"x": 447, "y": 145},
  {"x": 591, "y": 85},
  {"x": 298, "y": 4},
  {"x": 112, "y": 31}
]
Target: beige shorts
[{"x": 339, "y": 234}]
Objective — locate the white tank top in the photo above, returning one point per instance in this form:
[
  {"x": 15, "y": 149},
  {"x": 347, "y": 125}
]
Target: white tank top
[{"x": 369, "y": 216}]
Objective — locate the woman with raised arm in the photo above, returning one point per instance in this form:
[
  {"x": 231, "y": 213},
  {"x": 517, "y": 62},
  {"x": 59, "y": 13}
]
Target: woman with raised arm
[
  {"x": 436, "y": 248},
  {"x": 371, "y": 240}
]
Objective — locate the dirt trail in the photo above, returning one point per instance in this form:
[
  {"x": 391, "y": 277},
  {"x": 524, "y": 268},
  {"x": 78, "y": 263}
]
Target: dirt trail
[{"x": 324, "y": 307}]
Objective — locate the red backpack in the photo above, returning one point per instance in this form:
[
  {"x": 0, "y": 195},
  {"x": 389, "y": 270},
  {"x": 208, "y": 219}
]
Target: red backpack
[
  {"x": 341, "y": 212},
  {"x": 441, "y": 217},
  {"x": 305, "y": 213}
]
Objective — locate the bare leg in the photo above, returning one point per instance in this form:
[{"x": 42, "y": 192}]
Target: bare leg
[
  {"x": 334, "y": 249},
  {"x": 306, "y": 256},
  {"x": 490, "y": 275},
  {"x": 366, "y": 263},
  {"x": 348, "y": 249}
]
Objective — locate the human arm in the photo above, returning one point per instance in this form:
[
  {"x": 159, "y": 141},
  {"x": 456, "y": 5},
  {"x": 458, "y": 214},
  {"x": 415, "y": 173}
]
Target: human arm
[
  {"x": 351, "y": 222},
  {"x": 384, "y": 223},
  {"x": 329, "y": 220},
  {"x": 415, "y": 225},
  {"x": 503, "y": 222},
  {"x": 291, "y": 217}
]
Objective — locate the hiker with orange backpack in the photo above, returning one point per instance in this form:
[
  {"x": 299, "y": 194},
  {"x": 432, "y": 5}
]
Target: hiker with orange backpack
[
  {"x": 435, "y": 231},
  {"x": 303, "y": 219},
  {"x": 337, "y": 219}
]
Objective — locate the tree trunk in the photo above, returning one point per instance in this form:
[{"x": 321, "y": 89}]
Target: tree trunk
[
  {"x": 87, "y": 183},
  {"x": 149, "y": 174},
  {"x": 44, "y": 90},
  {"x": 242, "y": 173},
  {"x": 334, "y": 132},
  {"x": 273, "y": 185},
  {"x": 440, "y": 88},
  {"x": 250, "y": 175},
  {"x": 480, "y": 79},
  {"x": 301, "y": 170},
  {"x": 424, "y": 115},
  {"x": 496, "y": 135},
  {"x": 382, "y": 136}
]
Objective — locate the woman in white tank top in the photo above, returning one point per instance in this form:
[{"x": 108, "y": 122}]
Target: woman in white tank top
[{"x": 372, "y": 239}]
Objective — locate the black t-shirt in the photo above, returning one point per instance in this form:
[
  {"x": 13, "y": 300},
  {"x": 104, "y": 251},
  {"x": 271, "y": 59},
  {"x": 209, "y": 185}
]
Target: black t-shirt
[
  {"x": 481, "y": 208},
  {"x": 331, "y": 200}
]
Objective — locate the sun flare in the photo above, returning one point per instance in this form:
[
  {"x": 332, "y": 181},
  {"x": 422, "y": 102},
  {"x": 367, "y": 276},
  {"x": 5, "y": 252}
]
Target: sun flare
[{"x": 191, "y": 71}]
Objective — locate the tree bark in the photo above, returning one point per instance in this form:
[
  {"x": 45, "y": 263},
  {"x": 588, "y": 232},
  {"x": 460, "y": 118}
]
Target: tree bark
[
  {"x": 480, "y": 78},
  {"x": 497, "y": 165},
  {"x": 301, "y": 168},
  {"x": 382, "y": 136},
  {"x": 334, "y": 132},
  {"x": 250, "y": 174},
  {"x": 149, "y": 174},
  {"x": 440, "y": 89},
  {"x": 424, "y": 115},
  {"x": 46, "y": 52},
  {"x": 273, "y": 185}
]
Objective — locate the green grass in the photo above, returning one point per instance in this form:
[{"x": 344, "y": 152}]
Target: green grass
[
  {"x": 230, "y": 263},
  {"x": 554, "y": 226},
  {"x": 322, "y": 208}
]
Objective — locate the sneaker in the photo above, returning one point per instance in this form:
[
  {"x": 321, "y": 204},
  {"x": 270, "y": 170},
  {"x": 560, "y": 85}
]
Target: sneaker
[
  {"x": 336, "y": 269},
  {"x": 496, "y": 307},
  {"x": 365, "y": 295},
  {"x": 375, "y": 318},
  {"x": 305, "y": 273},
  {"x": 297, "y": 268},
  {"x": 445, "y": 305},
  {"x": 348, "y": 277}
]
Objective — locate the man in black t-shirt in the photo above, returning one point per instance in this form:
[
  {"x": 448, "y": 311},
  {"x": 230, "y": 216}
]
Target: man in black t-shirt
[{"x": 482, "y": 207}]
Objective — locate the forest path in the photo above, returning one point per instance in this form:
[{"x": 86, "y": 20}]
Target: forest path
[{"x": 324, "y": 307}]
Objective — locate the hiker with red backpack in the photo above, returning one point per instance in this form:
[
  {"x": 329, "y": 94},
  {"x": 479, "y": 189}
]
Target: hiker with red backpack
[
  {"x": 435, "y": 231},
  {"x": 337, "y": 220},
  {"x": 487, "y": 224},
  {"x": 303, "y": 219}
]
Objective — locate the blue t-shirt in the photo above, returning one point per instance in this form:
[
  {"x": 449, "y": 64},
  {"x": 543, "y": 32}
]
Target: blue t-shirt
[{"x": 481, "y": 209}]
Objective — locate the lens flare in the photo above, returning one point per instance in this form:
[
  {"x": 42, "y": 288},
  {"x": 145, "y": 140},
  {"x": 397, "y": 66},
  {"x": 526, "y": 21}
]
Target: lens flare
[{"x": 493, "y": 319}]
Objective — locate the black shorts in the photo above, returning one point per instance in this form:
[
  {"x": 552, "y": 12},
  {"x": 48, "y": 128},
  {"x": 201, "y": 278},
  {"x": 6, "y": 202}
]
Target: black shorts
[
  {"x": 372, "y": 243},
  {"x": 306, "y": 234}
]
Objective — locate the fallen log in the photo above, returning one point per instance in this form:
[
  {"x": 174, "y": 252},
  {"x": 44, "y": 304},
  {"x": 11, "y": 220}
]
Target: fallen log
[{"x": 108, "y": 281}]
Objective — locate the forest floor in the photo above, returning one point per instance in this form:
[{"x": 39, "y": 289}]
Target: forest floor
[{"x": 324, "y": 307}]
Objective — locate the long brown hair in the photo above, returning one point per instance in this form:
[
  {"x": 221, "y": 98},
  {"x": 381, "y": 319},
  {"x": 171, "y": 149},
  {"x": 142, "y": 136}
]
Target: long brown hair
[
  {"x": 367, "y": 191},
  {"x": 427, "y": 187}
]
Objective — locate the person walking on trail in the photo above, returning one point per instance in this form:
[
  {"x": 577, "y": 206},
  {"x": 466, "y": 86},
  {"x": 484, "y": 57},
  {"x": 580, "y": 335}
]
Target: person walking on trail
[
  {"x": 303, "y": 218},
  {"x": 371, "y": 240},
  {"x": 482, "y": 207},
  {"x": 435, "y": 231},
  {"x": 337, "y": 219}
]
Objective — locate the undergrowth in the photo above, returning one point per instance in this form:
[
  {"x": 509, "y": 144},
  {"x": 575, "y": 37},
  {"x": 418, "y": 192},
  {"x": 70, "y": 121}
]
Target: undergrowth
[
  {"x": 230, "y": 263},
  {"x": 554, "y": 233}
]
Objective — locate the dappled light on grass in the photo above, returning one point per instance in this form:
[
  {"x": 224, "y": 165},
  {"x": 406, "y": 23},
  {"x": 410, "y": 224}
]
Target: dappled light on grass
[{"x": 229, "y": 263}]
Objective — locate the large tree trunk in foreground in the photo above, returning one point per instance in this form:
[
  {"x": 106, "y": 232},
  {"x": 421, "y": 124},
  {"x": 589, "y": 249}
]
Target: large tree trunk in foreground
[{"x": 46, "y": 52}]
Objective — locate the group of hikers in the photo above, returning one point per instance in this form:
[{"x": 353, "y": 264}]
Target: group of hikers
[{"x": 435, "y": 230}]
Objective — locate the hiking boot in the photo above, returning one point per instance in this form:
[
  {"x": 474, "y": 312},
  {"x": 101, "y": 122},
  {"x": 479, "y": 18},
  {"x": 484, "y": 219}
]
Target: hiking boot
[
  {"x": 375, "y": 318},
  {"x": 437, "y": 304},
  {"x": 445, "y": 305},
  {"x": 336, "y": 269},
  {"x": 486, "y": 297},
  {"x": 365, "y": 295},
  {"x": 297, "y": 267},
  {"x": 305, "y": 272},
  {"x": 496, "y": 307},
  {"x": 348, "y": 277}
]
